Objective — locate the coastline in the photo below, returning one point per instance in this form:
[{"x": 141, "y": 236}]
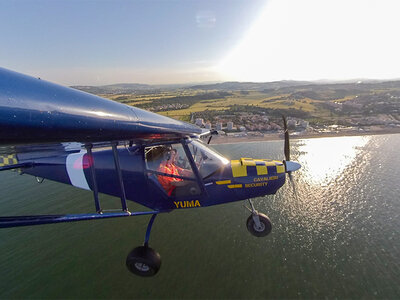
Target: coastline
[{"x": 216, "y": 140}]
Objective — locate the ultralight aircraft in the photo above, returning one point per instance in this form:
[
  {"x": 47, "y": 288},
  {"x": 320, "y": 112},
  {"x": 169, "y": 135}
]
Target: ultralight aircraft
[{"x": 69, "y": 136}]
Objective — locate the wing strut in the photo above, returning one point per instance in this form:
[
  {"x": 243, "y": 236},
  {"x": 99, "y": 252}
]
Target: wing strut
[
  {"x": 94, "y": 181},
  {"x": 119, "y": 173},
  {"x": 15, "y": 221}
]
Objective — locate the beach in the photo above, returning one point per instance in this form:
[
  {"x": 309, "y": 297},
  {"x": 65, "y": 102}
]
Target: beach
[{"x": 223, "y": 139}]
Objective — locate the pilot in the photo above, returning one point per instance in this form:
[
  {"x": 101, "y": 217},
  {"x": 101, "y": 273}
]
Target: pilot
[{"x": 169, "y": 166}]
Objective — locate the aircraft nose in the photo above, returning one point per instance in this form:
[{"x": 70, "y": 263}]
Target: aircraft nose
[{"x": 292, "y": 166}]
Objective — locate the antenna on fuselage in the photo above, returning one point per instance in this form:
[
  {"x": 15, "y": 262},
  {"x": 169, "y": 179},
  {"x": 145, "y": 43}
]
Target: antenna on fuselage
[{"x": 214, "y": 132}]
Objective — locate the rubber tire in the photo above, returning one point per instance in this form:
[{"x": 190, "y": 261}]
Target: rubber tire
[
  {"x": 265, "y": 222},
  {"x": 147, "y": 256}
]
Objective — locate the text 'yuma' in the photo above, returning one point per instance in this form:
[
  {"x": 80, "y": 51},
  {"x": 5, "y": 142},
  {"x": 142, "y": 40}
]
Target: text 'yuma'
[{"x": 186, "y": 204}]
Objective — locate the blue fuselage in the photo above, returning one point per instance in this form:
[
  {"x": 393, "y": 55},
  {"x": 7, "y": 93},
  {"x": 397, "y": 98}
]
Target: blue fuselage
[
  {"x": 236, "y": 180},
  {"x": 37, "y": 113}
]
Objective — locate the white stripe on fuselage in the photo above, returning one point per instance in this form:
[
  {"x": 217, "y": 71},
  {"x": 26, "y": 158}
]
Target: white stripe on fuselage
[{"x": 75, "y": 171}]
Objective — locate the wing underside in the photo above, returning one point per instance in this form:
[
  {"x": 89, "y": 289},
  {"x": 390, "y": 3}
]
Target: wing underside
[{"x": 35, "y": 111}]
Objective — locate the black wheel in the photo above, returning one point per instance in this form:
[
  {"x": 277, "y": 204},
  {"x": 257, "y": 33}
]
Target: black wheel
[
  {"x": 143, "y": 261},
  {"x": 262, "y": 230}
]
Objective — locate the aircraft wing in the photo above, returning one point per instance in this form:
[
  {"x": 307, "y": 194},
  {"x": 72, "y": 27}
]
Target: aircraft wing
[{"x": 34, "y": 111}]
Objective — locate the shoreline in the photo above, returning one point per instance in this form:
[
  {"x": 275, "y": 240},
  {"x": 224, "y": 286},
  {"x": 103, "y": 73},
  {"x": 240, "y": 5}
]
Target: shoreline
[{"x": 217, "y": 140}]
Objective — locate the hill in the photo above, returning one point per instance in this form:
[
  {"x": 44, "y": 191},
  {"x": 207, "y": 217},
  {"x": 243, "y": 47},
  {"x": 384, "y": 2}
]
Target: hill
[{"x": 319, "y": 103}]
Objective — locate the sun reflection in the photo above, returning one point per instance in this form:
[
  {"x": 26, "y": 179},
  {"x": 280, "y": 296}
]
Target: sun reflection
[
  {"x": 101, "y": 113},
  {"x": 324, "y": 159}
]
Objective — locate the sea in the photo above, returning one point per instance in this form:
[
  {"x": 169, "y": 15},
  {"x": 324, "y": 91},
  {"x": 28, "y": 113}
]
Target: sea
[{"x": 336, "y": 234}]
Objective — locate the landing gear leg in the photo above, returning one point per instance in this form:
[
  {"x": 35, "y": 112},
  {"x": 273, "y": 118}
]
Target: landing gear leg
[
  {"x": 257, "y": 223},
  {"x": 144, "y": 261}
]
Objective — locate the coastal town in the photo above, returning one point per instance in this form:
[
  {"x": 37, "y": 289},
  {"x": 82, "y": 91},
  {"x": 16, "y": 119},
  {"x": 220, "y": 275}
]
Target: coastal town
[
  {"x": 258, "y": 126},
  {"x": 254, "y": 110}
]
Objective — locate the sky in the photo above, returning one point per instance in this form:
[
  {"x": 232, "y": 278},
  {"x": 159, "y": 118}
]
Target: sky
[{"x": 162, "y": 42}]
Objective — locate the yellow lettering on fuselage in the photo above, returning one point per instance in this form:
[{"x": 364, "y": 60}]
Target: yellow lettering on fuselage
[
  {"x": 187, "y": 204},
  {"x": 258, "y": 179},
  {"x": 252, "y": 185}
]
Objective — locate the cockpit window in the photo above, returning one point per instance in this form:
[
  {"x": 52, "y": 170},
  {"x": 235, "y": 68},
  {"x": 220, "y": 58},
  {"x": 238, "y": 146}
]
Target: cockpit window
[
  {"x": 207, "y": 160},
  {"x": 169, "y": 168}
]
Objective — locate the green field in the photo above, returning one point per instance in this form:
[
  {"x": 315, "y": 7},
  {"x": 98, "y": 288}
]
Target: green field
[
  {"x": 252, "y": 98},
  {"x": 324, "y": 103}
]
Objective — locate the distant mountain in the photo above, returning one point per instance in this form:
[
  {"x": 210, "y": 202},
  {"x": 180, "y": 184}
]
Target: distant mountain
[
  {"x": 118, "y": 88},
  {"x": 127, "y": 86},
  {"x": 276, "y": 86},
  {"x": 250, "y": 86},
  {"x": 354, "y": 80},
  {"x": 130, "y": 88}
]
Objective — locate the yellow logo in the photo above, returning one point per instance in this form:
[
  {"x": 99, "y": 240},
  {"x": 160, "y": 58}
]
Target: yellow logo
[
  {"x": 187, "y": 204},
  {"x": 258, "y": 179},
  {"x": 259, "y": 184}
]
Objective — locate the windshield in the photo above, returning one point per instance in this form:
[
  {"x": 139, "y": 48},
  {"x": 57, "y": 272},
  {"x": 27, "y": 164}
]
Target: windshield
[{"x": 207, "y": 160}]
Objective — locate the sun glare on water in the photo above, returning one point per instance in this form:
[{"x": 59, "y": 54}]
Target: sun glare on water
[{"x": 324, "y": 159}]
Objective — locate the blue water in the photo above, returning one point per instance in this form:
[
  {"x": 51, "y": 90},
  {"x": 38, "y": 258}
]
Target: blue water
[{"x": 337, "y": 236}]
